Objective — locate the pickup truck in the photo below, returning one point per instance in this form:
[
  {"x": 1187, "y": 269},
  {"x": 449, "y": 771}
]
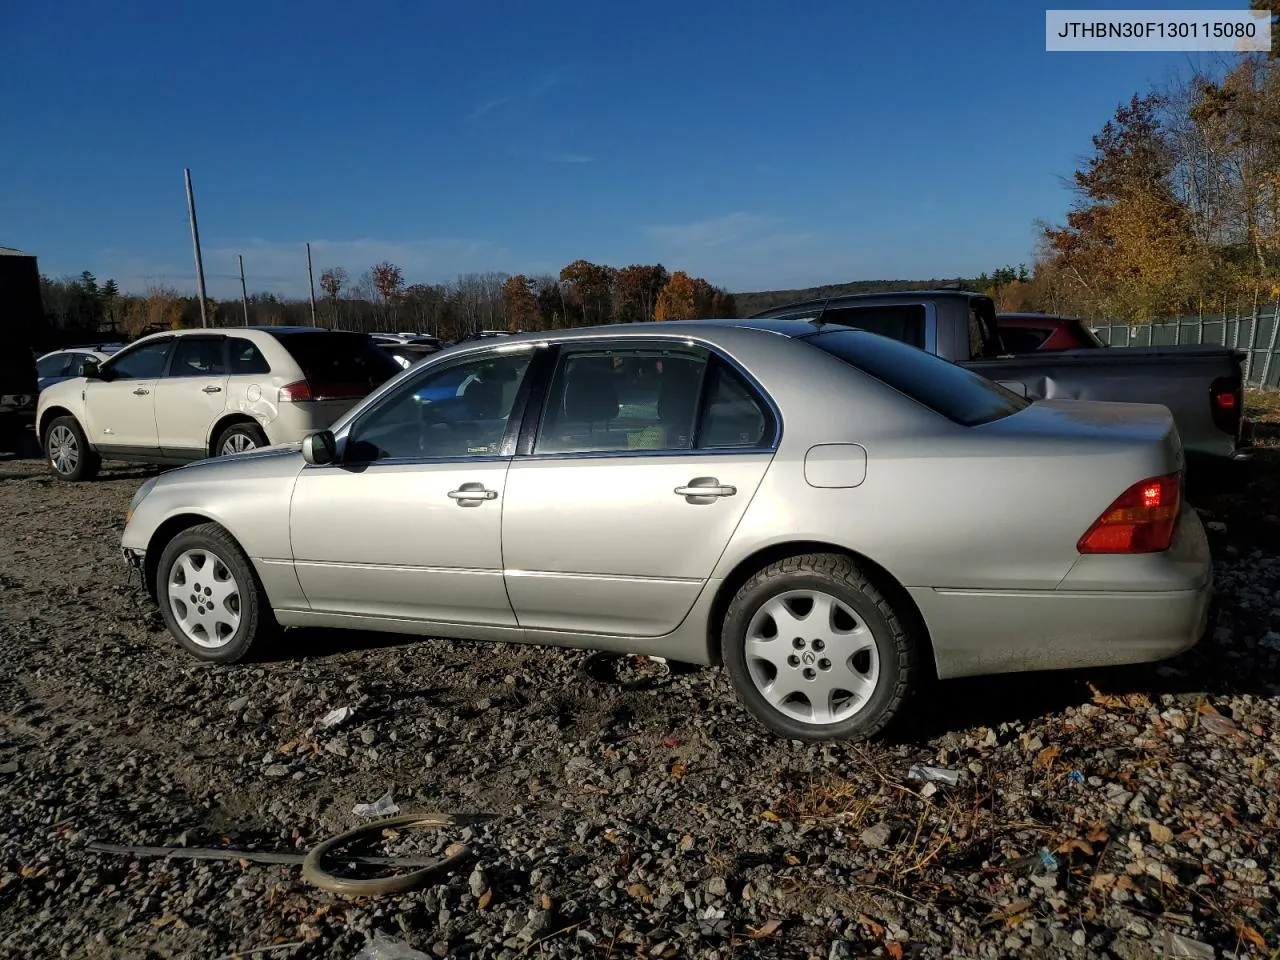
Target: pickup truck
[{"x": 1202, "y": 386}]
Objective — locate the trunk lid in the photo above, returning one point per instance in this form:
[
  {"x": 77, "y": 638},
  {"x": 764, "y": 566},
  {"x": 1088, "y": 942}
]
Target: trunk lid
[{"x": 1142, "y": 432}]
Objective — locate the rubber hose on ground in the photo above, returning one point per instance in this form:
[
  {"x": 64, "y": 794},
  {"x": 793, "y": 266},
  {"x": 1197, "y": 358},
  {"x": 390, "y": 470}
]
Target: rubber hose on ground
[{"x": 317, "y": 876}]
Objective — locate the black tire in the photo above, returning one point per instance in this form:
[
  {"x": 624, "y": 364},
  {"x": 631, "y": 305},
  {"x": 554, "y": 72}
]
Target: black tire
[
  {"x": 251, "y": 432},
  {"x": 71, "y": 450},
  {"x": 896, "y": 644},
  {"x": 255, "y": 620}
]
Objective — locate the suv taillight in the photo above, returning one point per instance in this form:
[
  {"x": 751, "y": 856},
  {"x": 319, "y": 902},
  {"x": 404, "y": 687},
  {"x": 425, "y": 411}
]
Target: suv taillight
[
  {"x": 296, "y": 391},
  {"x": 1226, "y": 398},
  {"x": 1141, "y": 520}
]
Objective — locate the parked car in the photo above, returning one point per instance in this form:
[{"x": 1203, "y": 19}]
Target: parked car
[
  {"x": 66, "y": 364},
  {"x": 184, "y": 395},
  {"x": 18, "y": 389},
  {"x": 1202, "y": 385},
  {"x": 819, "y": 508},
  {"x": 411, "y": 352},
  {"x": 1032, "y": 332}
]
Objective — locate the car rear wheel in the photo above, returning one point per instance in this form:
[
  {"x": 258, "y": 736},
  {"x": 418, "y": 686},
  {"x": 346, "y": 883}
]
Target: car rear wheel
[
  {"x": 816, "y": 651},
  {"x": 240, "y": 437},
  {"x": 210, "y": 597},
  {"x": 67, "y": 451}
]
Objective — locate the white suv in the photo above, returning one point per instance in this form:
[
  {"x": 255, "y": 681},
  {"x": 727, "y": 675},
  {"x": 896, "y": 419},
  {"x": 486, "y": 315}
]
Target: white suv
[{"x": 190, "y": 394}]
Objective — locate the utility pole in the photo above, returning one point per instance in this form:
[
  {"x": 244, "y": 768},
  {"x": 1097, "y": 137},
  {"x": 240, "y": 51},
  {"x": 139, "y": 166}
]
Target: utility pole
[
  {"x": 311, "y": 284},
  {"x": 244, "y": 294},
  {"x": 195, "y": 242}
]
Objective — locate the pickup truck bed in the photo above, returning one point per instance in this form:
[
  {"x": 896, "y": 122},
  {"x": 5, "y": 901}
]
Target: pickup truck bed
[{"x": 1202, "y": 386}]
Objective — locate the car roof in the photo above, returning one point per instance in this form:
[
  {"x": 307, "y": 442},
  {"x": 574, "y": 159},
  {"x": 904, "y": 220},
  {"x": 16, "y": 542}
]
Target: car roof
[
  {"x": 662, "y": 329},
  {"x": 854, "y": 299}
]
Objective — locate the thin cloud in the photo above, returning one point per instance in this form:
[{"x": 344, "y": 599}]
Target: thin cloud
[
  {"x": 484, "y": 108},
  {"x": 714, "y": 232},
  {"x": 568, "y": 158}
]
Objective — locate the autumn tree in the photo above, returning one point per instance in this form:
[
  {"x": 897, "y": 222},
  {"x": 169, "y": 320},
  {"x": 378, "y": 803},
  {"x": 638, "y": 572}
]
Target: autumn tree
[
  {"x": 590, "y": 285},
  {"x": 723, "y": 305},
  {"x": 519, "y": 303},
  {"x": 1127, "y": 241},
  {"x": 387, "y": 280},
  {"x": 635, "y": 292},
  {"x": 677, "y": 301},
  {"x": 549, "y": 294}
]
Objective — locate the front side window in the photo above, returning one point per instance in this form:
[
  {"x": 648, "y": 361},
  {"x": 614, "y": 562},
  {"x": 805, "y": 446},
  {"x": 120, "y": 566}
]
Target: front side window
[
  {"x": 141, "y": 363},
  {"x": 198, "y": 357},
  {"x": 459, "y": 410},
  {"x": 604, "y": 400}
]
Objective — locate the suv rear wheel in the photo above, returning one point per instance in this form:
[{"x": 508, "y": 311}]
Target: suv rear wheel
[{"x": 239, "y": 438}]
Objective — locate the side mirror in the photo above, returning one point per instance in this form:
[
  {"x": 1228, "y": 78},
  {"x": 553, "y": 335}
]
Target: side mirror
[
  {"x": 89, "y": 368},
  {"x": 319, "y": 448}
]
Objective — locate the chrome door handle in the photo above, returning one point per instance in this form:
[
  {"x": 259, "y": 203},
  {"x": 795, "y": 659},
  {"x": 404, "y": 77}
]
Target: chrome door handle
[
  {"x": 141, "y": 392},
  {"x": 471, "y": 494},
  {"x": 705, "y": 487},
  {"x": 212, "y": 389}
]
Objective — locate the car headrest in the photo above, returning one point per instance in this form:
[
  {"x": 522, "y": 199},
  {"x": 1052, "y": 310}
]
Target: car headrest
[
  {"x": 483, "y": 399},
  {"x": 591, "y": 395}
]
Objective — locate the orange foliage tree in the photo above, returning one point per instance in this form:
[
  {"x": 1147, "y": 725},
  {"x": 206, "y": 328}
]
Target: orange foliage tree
[
  {"x": 678, "y": 300},
  {"x": 520, "y": 303}
]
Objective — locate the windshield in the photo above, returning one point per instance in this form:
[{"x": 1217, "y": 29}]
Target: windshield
[{"x": 958, "y": 394}]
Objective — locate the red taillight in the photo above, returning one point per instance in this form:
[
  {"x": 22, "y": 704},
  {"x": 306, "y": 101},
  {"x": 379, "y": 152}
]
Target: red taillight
[
  {"x": 1141, "y": 520},
  {"x": 304, "y": 390},
  {"x": 296, "y": 391},
  {"x": 1226, "y": 396}
]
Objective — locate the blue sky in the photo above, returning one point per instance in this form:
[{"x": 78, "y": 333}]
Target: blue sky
[{"x": 757, "y": 144}]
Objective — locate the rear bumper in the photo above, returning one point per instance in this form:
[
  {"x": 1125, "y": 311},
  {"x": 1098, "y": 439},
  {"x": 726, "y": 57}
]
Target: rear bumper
[
  {"x": 977, "y": 632},
  {"x": 293, "y": 421}
]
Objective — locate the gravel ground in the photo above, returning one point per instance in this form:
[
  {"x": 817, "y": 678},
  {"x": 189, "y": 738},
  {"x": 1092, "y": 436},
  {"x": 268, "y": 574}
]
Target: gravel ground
[{"x": 1099, "y": 814}]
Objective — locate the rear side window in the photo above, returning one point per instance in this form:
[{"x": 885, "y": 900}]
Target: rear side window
[
  {"x": 904, "y": 322},
  {"x": 946, "y": 388},
  {"x": 330, "y": 357},
  {"x": 1084, "y": 336},
  {"x": 245, "y": 359},
  {"x": 984, "y": 339},
  {"x": 197, "y": 357},
  {"x": 54, "y": 366},
  {"x": 733, "y": 415},
  {"x": 1023, "y": 339}
]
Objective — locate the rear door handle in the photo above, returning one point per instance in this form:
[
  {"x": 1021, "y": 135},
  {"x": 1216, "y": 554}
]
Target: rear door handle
[
  {"x": 212, "y": 389},
  {"x": 705, "y": 487},
  {"x": 472, "y": 494},
  {"x": 141, "y": 392}
]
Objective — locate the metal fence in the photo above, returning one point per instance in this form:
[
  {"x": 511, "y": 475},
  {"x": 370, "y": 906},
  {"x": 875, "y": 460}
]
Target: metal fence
[{"x": 1255, "y": 335}]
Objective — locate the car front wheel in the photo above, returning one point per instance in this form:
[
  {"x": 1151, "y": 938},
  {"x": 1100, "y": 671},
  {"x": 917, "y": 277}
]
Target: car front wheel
[
  {"x": 210, "y": 597},
  {"x": 67, "y": 450},
  {"x": 816, "y": 651}
]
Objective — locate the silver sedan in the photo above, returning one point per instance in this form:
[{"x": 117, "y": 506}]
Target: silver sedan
[{"x": 823, "y": 511}]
